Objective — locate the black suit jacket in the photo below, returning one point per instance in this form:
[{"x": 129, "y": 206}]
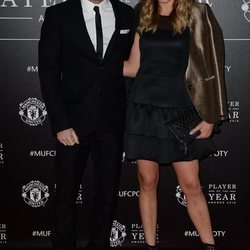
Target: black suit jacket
[{"x": 79, "y": 90}]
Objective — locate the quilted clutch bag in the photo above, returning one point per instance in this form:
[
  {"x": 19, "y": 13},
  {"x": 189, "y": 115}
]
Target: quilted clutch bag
[{"x": 185, "y": 120}]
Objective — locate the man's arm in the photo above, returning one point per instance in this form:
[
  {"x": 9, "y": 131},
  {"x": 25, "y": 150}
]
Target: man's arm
[
  {"x": 50, "y": 70},
  {"x": 132, "y": 65},
  {"x": 131, "y": 18}
]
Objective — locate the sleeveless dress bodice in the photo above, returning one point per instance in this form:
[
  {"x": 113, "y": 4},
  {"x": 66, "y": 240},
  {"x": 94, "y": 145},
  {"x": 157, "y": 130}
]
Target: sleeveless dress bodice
[{"x": 163, "y": 62}]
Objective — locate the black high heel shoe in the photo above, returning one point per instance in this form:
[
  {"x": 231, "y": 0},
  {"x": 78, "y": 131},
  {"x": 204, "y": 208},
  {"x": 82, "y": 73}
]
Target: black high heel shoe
[
  {"x": 148, "y": 247},
  {"x": 210, "y": 247}
]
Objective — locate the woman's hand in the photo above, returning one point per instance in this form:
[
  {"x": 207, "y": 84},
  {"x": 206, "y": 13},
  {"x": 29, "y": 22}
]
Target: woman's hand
[{"x": 205, "y": 128}]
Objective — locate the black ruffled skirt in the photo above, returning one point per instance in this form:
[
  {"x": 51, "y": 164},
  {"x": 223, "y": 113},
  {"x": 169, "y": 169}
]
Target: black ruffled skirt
[{"x": 147, "y": 137}]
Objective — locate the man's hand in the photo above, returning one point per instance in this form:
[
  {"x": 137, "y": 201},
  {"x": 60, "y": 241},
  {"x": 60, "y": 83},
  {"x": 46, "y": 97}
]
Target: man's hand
[
  {"x": 205, "y": 128},
  {"x": 68, "y": 137}
]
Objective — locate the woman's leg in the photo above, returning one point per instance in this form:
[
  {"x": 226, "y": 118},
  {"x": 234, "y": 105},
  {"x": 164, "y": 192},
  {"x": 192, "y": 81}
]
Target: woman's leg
[
  {"x": 148, "y": 176},
  {"x": 188, "y": 178}
]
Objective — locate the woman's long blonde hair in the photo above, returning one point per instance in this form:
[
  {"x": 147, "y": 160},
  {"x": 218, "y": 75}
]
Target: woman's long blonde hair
[{"x": 180, "y": 17}]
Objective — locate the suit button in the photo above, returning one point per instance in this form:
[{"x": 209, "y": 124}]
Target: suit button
[
  {"x": 99, "y": 89},
  {"x": 102, "y": 67}
]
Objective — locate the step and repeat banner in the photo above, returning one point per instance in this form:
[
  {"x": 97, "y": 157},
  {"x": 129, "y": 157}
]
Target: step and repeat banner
[{"x": 27, "y": 153}]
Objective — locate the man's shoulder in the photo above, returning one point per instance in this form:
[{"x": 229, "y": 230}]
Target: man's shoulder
[
  {"x": 58, "y": 7},
  {"x": 123, "y": 6}
]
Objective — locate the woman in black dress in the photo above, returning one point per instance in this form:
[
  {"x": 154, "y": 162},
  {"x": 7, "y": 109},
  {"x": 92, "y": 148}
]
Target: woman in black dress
[{"x": 177, "y": 61}]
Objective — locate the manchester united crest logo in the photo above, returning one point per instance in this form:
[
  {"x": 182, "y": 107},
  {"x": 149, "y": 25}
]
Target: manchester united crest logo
[
  {"x": 32, "y": 111},
  {"x": 246, "y": 9},
  {"x": 118, "y": 234},
  {"x": 35, "y": 193},
  {"x": 180, "y": 196}
]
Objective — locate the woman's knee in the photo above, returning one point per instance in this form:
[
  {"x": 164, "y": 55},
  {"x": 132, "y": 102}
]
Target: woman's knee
[
  {"x": 191, "y": 188},
  {"x": 148, "y": 183},
  {"x": 148, "y": 175}
]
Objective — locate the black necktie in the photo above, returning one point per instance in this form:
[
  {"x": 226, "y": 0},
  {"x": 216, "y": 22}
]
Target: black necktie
[{"x": 99, "y": 36}]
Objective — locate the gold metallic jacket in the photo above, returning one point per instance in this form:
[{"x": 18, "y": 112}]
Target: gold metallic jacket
[{"x": 205, "y": 71}]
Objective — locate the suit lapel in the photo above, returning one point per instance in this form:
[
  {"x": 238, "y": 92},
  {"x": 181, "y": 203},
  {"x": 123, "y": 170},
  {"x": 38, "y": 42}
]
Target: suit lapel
[
  {"x": 80, "y": 26},
  {"x": 116, "y": 32}
]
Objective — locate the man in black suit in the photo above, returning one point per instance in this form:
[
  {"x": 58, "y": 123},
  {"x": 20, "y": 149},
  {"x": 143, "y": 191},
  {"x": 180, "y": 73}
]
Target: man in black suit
[{"x": 81, "y": 52}]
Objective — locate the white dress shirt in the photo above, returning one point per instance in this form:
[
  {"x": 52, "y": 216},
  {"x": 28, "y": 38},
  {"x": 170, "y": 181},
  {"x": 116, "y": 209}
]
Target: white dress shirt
[{"x": 107, "y": 17}]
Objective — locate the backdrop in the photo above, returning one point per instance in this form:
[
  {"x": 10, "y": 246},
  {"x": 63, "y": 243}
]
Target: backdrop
[{"x": 27, "y": 153}]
